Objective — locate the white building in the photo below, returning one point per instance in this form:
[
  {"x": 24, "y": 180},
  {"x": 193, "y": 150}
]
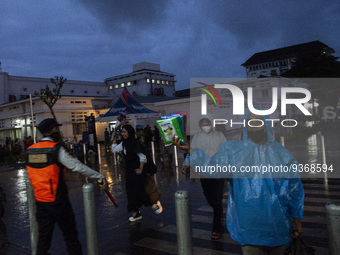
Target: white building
[
  {"x": 16, "y": 121},
  {"x": 146, "y": 79},
  {"x": 150, "y": 86},
  {"x": 14, "y": 88},
  {"x": 276, "y": 62},
  {"x": 80, "y": 99}
]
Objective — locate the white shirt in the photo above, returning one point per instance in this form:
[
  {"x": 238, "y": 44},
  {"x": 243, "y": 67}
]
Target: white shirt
[
  {"x": 207, "y": 142},
  {"x": 119, "y": 147}
]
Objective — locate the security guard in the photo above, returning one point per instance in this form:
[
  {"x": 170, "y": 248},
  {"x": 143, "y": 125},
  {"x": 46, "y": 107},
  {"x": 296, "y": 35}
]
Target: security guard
[{"x": 45, "y": 163}]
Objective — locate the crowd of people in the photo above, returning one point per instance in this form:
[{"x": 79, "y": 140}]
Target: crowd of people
[
  {"x": 275, "y": 202},
  {"x": 144, "y": 135},
  {"x": 14, "y": 147}
]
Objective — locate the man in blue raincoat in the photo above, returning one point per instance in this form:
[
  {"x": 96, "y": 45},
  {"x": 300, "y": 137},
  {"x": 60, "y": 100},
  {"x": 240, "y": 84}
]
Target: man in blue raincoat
[{"x": 265, "y": 204}]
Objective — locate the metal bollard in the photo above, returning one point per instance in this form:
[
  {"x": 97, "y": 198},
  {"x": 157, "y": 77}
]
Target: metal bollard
[
  {"x": 333, "y": 225},
  {"x": 153, "y": 151},
  {"x": 32, "y": 210},
  {"x": 84, "y": 154},
  {"x": 323, "y": 151},
  {"x": 99, "y": 156},
  {"x": 90, "y": 219},
  {"x": 176, "y": 158},
  {"x": 115, "y": 159},
  {"x": 183, "y": 222}
]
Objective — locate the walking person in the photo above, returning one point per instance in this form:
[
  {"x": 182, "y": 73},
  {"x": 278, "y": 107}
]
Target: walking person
[
  {"x": 46, "y": 162},
  {"x": 264, "y": 208},
  {"x": 135, "y": 177},
  {"x": 157, "y": 137},
  {"x": 148, "y": 136},
  {"x": 210, "y": 140},
  {"x": 107, "y": 140}
]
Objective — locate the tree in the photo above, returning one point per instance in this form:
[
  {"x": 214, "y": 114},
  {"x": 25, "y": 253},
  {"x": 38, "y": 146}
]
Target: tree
[{"x": 50, "y": 97}]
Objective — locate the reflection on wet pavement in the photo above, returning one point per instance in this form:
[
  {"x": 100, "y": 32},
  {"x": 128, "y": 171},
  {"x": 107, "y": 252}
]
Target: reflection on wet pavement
[{"x": 115, "y": 234}]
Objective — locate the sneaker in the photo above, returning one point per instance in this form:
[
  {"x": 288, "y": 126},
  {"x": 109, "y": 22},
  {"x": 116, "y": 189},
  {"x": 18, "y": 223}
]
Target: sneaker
[
  {"x": 158, "y": 208},
  {"x": 135, "y": 216}
]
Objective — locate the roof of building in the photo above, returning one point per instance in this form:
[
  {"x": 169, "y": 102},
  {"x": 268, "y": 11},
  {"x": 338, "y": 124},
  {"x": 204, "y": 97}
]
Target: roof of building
[
  {"x": 153, "y": 99},
  {"x": 141, "y": 68},
  {"x": 183, "y": 93},
  {"x": 287, "y": 52}
]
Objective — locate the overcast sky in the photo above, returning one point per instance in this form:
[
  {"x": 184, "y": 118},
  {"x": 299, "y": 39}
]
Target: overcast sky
[{"x": 91, "y": 40}]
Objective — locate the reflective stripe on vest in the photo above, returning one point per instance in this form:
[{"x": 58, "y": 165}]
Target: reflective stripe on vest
[{"x": 43, "y": 171}]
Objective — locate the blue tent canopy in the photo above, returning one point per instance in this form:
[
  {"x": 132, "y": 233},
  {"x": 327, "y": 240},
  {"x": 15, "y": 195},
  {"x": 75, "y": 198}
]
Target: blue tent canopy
[{"x": 126, "y": 103}]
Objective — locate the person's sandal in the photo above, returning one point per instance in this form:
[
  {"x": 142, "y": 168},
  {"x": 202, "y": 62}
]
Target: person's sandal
[{"x": 215, "y": 236}]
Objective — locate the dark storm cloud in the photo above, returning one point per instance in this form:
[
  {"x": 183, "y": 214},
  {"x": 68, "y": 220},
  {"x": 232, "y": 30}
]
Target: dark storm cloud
[
  {"x": 93, "y": 40},
  {"x": 276, "y": 23},
  {"x": 128, "y": 16}
]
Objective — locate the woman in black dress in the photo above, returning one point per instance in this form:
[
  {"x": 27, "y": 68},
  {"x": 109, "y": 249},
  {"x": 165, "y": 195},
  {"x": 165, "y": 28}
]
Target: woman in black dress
[{"x": 135, "y": 178}]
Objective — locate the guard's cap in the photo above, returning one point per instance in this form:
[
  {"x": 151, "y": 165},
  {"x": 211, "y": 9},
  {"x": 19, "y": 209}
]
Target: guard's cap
[{"x": 47, "y": 125}]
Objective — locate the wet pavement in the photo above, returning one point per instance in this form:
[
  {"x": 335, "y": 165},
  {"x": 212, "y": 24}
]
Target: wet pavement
[{"x": 155, "y": 234}]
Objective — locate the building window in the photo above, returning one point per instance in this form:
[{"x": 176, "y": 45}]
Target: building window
[
  {"x": 273, "y": 72},
  {"x": 153, "y": 81},
  {"x": 79, "y": 128},
  {"x": 283, "y": 63},
  {"x": 147, "y": 80},
  {"x": 85, "y": 91},
  {"x": 116, "y": 86},
  {"x": 167, "y": 82},
  {"x": 163, "y": 82},
  {"x": 72, "y": 91},
  {"x": 128, "y": 83},
  {"x": 122, "y": 85},
  {"x": 24, "y": 89},
  {"x": 111, "y": 87}
]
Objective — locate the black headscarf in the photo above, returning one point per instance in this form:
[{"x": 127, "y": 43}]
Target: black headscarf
[{"x": 130, "y": 144}]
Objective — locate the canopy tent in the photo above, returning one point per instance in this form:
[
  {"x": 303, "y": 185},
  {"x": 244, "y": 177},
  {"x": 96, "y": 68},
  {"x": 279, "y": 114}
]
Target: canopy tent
[{"x": 133, "y": 109}]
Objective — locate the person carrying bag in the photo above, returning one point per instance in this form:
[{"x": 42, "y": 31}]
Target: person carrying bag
[{"x": 140, "y": 186}]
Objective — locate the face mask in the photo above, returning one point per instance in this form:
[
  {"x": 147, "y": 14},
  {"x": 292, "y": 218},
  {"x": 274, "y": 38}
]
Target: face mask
[
  {"x": 206, "y": 129},
  {"x": 55, "y": 136},
  {"x": 258, "y": 136}
]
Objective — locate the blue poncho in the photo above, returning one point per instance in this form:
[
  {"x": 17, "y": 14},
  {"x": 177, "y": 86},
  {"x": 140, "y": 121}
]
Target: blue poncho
[{"x": 261, "y": 206}]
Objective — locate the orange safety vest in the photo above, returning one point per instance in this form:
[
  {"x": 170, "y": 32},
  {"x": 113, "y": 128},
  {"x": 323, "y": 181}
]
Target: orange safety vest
[{"x": 43, "y": 170}]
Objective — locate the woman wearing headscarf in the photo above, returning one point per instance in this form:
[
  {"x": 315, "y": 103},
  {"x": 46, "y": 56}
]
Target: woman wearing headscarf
[{"x": 135, "y": 178}]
